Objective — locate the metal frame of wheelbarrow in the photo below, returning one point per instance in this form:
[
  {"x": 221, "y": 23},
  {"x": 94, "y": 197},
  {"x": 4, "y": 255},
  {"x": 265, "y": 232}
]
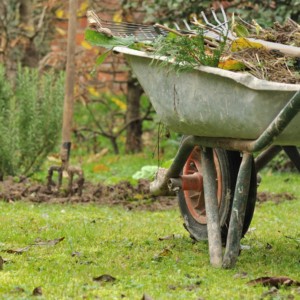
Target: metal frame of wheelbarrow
[{"x": 172, "y": 180}]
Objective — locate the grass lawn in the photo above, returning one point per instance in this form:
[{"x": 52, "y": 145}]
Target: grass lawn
[{"x": 125, "y": 244}]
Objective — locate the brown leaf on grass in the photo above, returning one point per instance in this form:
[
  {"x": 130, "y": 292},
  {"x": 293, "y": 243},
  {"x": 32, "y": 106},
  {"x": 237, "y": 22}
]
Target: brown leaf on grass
[
  {"x": 18, "y": 289},
  {"x": 274, "y": 281},
  {"x": 192, "y": 287},
  {"x": 273, "y": 291},
  {"x": 48, "y": 242},
  {"x": 37, "y": 291},
  {"x": 146, "y": 297},
  {"x": 1, "y": 263},
  {"x": 76, "y": 253},
  {"x": 170, "y": 237},
  {"x": 269, "y": 246},
  {"x": 240, "y": 275},
  {"x": 18, "y": 250},
  {"x": 165, "y": 252},
  {"x": 105, "y": 278},
  {"x": 172, "y": 287}
]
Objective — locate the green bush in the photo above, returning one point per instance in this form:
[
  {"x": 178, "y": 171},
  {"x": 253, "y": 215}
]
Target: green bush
[{"x": 30, "y": 119}]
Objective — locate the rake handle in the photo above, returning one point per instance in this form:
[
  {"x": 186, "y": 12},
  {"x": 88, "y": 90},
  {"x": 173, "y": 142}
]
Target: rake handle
[{"x": 69, "y": 83}]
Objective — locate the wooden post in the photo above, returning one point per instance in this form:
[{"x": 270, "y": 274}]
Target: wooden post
[
  {"x": 69, "y": 85},
  {"x": 211, "y": 207},
  {"x": 236, "y": 223}
]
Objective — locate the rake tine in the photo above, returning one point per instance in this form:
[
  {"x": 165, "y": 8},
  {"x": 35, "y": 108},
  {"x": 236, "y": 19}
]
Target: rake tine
[
  {"x": 176, "y": 26},
  {"x": 224, "y": 17},
  {"x": 187, "y": 25},
  {"x": 206, "y": 20},
  {"x": 216, "y": 18}
]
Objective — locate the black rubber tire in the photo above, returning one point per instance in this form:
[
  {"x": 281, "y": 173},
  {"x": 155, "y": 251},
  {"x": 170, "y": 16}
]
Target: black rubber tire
[{"x": 229, "y": 162}]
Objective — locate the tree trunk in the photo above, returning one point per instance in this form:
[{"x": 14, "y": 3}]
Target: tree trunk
[
  {"x": 134, "y": 129},
  {"x": 31, "y": 55}
]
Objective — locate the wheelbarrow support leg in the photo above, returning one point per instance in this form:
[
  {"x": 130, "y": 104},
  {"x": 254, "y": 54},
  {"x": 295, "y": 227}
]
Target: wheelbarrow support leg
[
  {"x": 266, "y": 156},
  {"x": 293, "y": 154},
  {"x": 211, "y": 207},
  {"x": 238, "y": 212}
]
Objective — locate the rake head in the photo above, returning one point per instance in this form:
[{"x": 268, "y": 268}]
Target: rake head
[{"x": 142, "y": 32}]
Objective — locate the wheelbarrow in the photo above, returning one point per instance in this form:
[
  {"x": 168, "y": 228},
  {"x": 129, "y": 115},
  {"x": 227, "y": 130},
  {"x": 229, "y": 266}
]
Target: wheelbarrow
[{"x": 224, "y": 117}]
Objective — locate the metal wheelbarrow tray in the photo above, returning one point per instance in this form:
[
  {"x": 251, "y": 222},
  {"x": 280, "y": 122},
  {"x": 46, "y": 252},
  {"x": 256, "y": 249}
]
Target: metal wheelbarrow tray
[
  {"x": 213, "y": 102},
  {"x": 221, "y": 114}
]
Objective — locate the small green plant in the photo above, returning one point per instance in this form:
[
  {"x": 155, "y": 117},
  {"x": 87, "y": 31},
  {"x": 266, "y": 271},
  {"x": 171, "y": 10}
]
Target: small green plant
[
  {"x": 30, "y": 119},
  {"x": 188, "y": 52}
]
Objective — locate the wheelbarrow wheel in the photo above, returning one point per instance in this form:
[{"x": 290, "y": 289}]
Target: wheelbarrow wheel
[{"x": 191, "y": 202}]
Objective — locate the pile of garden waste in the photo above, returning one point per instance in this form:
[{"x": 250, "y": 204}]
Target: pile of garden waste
[{"x": 243, "y": 50}]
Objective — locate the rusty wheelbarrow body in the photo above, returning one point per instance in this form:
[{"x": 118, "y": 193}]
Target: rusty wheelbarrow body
[{"x": 224, "y": 117}]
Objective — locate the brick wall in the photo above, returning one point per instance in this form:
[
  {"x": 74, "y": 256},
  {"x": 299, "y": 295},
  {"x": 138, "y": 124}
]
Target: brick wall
[{"x": 112, "y": 75}]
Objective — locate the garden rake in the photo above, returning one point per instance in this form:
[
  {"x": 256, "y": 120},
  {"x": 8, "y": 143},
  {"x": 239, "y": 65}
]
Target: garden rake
[
  {"x": 143, "y": 33},
  {"x": 68, "y": 114}
]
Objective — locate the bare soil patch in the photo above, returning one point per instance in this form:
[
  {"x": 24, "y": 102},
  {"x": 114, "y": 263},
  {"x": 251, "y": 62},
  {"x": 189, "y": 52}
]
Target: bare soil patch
[
  {"x": 274, "y": 197},
  {"x": 124, "y": 194}
]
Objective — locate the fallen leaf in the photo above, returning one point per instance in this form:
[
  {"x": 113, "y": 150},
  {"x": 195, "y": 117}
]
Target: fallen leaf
[
  {"x": 269, "y": 246},
  {"x": 18, "y": 289},
  {"x": 192, "y": 287},
  {"x": 85, "y": 262},
  {"x": 105, "y": 278},
  {"x": 240, "y": 275},
  {"x": 245, "y": 247},
  {"x": 165, "y": 252},
  {"x": 37, "y": 291},
  {"x": 273, "y": 291},
  {"x": 18, "y": 250},
  {"x": 100, "y": 168},
  {"x": 1, "y": 263},
  {"x": 76, "y": 253},
  {"x": 172, "y": 287},
  {"x": 146, "y": 297},
  {"x": 48, "y": 242},
  {"x": 274, "y": 281},
  {"x": 170, "y": 237}
]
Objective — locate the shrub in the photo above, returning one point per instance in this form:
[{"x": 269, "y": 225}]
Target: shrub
[{"x": 30, "y": 119}]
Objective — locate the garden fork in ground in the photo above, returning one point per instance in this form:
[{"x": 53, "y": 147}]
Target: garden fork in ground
[{"x": 68, "y": 114}]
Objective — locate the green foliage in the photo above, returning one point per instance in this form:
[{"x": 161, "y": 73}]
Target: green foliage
[
  {"x": 188, "y": 52},
  {"x": 264, "y": 12},
  {"x": 102, "y": 40},
  {"x": 30, "y": 119},
  {"x": 267, "y": 12}
]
